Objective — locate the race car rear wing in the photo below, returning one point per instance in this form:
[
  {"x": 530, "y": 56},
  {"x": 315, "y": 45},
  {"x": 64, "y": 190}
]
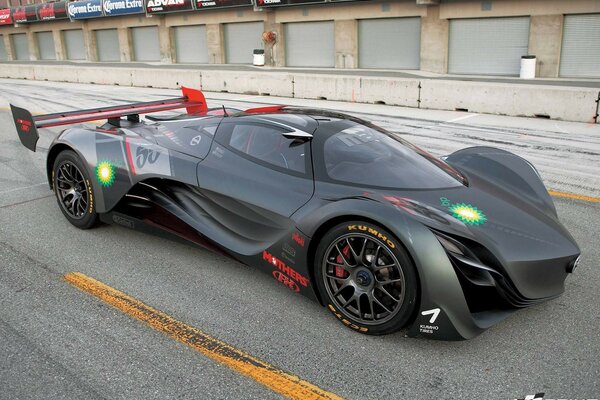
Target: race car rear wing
[{"x": 27, "y": 125}]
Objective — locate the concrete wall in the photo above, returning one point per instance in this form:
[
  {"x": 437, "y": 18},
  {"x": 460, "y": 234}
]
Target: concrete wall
[
  {"x": 434, "y": 42},
  {"x": 557, "y": 102},
  {"x": 346, "y": 43},
  {"x": 545, "y": 28},
  {"x": 545, "y": 40}
]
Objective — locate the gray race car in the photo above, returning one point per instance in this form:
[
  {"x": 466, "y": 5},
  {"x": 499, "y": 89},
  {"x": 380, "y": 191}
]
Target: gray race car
[{"x": 380, "y": 232}]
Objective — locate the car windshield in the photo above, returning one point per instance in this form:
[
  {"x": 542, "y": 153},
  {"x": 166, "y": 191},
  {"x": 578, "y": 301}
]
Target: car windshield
[{"x": 369, "y": 156}]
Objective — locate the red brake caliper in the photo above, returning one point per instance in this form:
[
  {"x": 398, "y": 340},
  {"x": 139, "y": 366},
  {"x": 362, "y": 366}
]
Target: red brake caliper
[{"x": 339, "y": 271}]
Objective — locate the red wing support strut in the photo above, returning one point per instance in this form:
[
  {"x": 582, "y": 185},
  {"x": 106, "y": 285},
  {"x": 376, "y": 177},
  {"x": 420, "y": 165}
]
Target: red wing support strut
[{"x": 27, "y": 125}]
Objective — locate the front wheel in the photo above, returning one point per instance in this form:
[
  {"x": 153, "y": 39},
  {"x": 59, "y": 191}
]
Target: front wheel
[
  {"x": 73, "y": 190},
  {"x": 368, "y": 280}
]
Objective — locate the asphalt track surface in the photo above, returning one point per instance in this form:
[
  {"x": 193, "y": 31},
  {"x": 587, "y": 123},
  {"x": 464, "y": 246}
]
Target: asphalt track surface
[{"x": 57, "y": 341}]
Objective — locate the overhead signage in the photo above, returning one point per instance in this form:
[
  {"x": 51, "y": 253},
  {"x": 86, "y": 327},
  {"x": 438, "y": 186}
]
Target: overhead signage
[
  {"x": 168, "y": 6},
  {"x": 5, "y": 17},
  {"x": 277, "y": 3},
  {"x": 122, "y": 7},
  {"x": 52, "y": 11},
  {"x": 24, "y": 14},
  {"x": 85, "y": 9},
  {"x": 212, "y": 4}
]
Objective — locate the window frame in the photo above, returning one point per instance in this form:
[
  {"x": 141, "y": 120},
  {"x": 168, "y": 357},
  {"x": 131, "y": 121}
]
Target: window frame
[{"x": 223, "y": 138}]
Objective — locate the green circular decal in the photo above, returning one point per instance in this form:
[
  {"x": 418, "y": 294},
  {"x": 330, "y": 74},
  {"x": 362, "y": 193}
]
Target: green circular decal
[
  {"x": 468, "y": 214},
  {"x": 105, "y": 172}
]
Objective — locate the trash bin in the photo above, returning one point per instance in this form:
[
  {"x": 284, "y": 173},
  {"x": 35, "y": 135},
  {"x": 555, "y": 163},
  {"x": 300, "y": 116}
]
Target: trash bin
[
  {"x": 259, "y": 57},
  {"x": 527, "y": 67}
]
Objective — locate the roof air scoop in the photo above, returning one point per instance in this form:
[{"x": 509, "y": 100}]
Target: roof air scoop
[
  {"x": 297, "y": 134},
  {"x": 292, "y": 133}
]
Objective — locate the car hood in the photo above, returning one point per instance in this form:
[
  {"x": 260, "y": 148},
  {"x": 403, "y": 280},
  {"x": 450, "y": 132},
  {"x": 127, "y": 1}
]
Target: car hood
[{"x": 527, "y": 240}]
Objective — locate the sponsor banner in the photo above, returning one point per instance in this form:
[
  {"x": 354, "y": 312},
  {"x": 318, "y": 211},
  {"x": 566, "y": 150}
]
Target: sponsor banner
[
  {"x": 168, "y": 6},
  {"x": 24, "y": 14},
  {"x": 122, "y": 7},
  {"x": 52, "y": 11},
  {"x": 85, "y": 9},
  {"x": 277, "y": 3},
  {"x": 5, "y": 17},
  {"x": 212, "y": 4}
]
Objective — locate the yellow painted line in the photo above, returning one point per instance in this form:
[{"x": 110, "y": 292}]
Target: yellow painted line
[
  {"x": 574, "y": 196},
  {"x": 273, "y": 378}
]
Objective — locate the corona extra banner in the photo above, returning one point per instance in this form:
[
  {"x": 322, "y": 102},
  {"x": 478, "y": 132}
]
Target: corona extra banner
[
  {"x": 85, "y": 9},
  {"x": 122, "y": 7}
]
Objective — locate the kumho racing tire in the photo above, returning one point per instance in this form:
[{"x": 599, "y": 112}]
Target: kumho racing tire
[
  {"x": 73, "y": 189},
  {"x": 366, "y": 277}
]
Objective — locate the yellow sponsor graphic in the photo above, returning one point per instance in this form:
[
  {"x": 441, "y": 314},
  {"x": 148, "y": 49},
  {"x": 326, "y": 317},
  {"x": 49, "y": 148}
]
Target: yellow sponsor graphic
[
  {"x": 89, "y": 185},
  {"x": 345, "y": 321},
  {"x": 374, "y": 232},
  {"x": 275, "y": 379}
]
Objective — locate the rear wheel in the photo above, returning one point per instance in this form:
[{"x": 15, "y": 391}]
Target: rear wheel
[
  {"x": 368, "y": 280},
  {"x": 73, "y": 190}
]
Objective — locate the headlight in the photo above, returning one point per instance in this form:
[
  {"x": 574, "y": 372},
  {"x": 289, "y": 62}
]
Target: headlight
[
  {"x": 573, "y": 264},
  {"x": 466, "y": 262},
  {"x": 450, "y": 244}
]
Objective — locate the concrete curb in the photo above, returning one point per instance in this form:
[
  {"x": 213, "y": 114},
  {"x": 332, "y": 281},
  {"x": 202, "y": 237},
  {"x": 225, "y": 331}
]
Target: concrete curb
[{"x": 555, "y": 102}]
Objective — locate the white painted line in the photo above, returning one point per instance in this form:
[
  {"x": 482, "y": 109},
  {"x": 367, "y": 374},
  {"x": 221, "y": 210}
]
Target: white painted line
[
  {"x": 23, "y": 188},
  {"x": 462, "y": 118},
  {"x": 560, "y": 129}
]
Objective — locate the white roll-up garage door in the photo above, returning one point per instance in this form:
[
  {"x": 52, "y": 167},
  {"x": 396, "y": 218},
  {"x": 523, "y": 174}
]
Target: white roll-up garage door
[
  {"x": 491, "y": 46},
  {"x": 146, "y": 46},
  {"x": 45, "y": 43},
  {"x": 74, "y": 44},
  {"x": 107, "y": 42},
  {"x": 309, "y": 44},
  {"x": 20, "y": 46},
  {"x": 240, "y": 40},
  {"x": 190, "y": 44},
  {"x": 580, "y": 56},
  {"x": 3, "y": 54},
  {"x": 389, "y": 43}
]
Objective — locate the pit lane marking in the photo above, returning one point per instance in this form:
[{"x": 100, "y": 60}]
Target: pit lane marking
[
  {"x": 574, "y": 196},
  {"x": 24, "y": 187},
  {"x": 462, "y": 118},
  {"x": 271, "y": 377},
  {"x": 26, "y": 201}
]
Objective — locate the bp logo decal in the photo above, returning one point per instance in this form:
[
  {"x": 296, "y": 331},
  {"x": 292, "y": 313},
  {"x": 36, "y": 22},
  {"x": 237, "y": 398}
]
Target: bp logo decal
[
  {"x": 466, "y": 213},
  {"x": 105, "y": 172}
]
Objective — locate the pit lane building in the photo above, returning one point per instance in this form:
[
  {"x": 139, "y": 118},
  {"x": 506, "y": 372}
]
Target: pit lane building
[{"x": 447, "y": 36}]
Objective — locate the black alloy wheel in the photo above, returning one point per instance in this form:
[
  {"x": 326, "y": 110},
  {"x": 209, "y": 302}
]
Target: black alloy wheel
[
  {"x": 73, "y": 190},
  {"x": 368, "y": 278}
]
